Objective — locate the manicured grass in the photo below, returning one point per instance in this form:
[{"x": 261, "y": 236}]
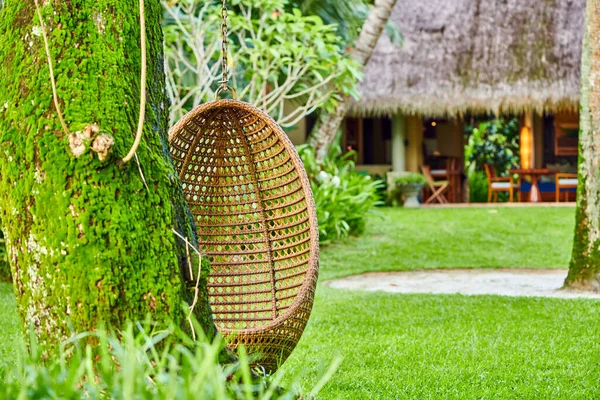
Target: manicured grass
[
  {"x": 532, "y": 237},
  {"x": 441, "y": 346},
  {"x": 451, "y": 347}
]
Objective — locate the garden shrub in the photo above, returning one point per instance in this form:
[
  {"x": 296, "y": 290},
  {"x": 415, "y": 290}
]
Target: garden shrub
[
  {"x": 139, "y": 363},
  {"x": 495, "y": 142},
  {"x": 343, "y": 196},
  {"x": 411, "y": 178},
  {"x": 478, "y": 187},
  {"x": 271, "y": 45}
]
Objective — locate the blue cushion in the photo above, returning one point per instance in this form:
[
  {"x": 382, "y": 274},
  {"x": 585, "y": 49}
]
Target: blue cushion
[{"x": 544, "y": 187}]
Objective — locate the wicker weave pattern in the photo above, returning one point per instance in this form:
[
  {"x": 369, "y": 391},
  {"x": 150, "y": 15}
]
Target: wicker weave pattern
[{"x": 254, "y": 211}]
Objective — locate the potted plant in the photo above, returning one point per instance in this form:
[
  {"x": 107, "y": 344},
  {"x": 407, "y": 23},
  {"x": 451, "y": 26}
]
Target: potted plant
[{"x": 408, "y": 188}]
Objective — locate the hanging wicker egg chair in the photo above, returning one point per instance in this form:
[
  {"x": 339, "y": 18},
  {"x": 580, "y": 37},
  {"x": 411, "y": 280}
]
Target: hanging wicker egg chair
[{"x": 255, "y": 216}]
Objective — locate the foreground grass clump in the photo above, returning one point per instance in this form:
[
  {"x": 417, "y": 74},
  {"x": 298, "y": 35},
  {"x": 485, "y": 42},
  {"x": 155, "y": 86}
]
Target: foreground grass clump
[
  {"x": 138, "y": 363},
  {"x": 407, "y": 239}
]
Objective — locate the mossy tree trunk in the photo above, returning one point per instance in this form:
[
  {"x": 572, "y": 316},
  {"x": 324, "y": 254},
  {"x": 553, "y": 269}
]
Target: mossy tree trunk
[
  {"x": 584, "y": 269},
  {"x": 326, "y": 129},
  {"x": 4, "y": 267},
  {"x": 86, "y": 241}
]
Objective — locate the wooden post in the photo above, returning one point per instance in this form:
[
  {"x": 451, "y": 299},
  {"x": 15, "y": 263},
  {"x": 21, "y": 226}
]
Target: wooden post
[
  {"x": 398, "y": 139},
  {"x": 526, "y": 144},
  {"x": 538, "y": 141},
  {"x": 414, "y": 150}
]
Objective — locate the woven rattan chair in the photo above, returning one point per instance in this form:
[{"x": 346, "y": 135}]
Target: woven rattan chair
[{"x": 255, "y": 215}]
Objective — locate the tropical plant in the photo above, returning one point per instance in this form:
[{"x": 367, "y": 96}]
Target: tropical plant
[
  {"x": 343, "y": 197},
  {"x": 495, "y": 142},
  {"x": 410, "y": 179},
  {"x": 278, "y": 58},
  {"x": 140, "y": 362},
  {"x": 478, "y": 187},
  {"x": 492, "y": 141}
]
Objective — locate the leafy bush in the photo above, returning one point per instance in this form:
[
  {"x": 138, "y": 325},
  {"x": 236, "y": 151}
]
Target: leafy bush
[
  {"x": 478, "y": 187},
  {"x": 277, "y": 57},
  {"x": 343, "y": 197},
  {"x": 410, "y": 179},
  {"x": 494, "y": 142},
  {"x": 138, "y": 364}
]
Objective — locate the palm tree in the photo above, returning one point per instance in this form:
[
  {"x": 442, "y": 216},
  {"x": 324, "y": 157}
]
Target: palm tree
[{"x": 326, "y": 128}]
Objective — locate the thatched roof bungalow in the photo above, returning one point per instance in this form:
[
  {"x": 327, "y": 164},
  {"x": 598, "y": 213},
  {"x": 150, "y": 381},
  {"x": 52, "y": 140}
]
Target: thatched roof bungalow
[{"x": 461, "y": 58}]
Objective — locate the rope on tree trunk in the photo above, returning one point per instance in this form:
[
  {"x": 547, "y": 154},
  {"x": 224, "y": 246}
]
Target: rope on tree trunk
[
  {"x": 142, "y": 114},
  {"x": 48, "y": 56},
  {"x": 140, "y": 128}
]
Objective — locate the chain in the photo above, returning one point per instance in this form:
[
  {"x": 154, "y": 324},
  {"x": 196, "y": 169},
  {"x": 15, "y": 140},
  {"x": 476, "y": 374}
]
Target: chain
[{"x": 225, "y": 78}]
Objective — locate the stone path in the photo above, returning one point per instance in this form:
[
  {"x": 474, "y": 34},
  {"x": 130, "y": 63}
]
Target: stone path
[{"x": 504, "y": 282}]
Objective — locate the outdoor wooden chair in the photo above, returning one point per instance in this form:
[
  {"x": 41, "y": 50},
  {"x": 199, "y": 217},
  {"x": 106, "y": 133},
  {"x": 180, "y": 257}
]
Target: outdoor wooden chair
[
  {"x": 438, "y": 188},
  {"x": 565, "y": 181},
  {"x": 498, "y": 184}
]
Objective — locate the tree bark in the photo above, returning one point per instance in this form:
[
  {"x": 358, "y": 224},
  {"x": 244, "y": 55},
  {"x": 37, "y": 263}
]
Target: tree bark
[
  {"x": 584, "y": 268},
  {"x": 87, "y": 241},
  {"x": 325, "y": 130}
]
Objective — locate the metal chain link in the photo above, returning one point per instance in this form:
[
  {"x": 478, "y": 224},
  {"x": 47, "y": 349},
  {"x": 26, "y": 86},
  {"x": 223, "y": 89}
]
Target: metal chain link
[{"x": 224, "y": 60}]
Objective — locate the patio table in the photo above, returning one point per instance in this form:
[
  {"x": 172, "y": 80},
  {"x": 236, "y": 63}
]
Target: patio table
[{"x": 534, "y": 173}]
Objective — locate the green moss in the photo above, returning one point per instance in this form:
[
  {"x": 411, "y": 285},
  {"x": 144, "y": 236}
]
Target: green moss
[
  {"x": 585, "y": 264},
  {"x": 4, "y": 267},
  {"x": 86, "y": 240}
]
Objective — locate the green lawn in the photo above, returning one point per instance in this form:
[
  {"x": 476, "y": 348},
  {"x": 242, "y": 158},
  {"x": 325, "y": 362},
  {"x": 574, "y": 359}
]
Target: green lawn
[
  {"x": 441, "y": 346},
  {"x": 452, "y": 346},
  {"x": 503, "y": 237}
]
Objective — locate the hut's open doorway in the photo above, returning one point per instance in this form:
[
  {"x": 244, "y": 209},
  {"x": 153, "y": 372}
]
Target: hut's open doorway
[{"x": 400, "y": 144}]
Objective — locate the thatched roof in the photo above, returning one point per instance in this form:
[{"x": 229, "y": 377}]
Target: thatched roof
[{"x": 463, "y": 56}]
